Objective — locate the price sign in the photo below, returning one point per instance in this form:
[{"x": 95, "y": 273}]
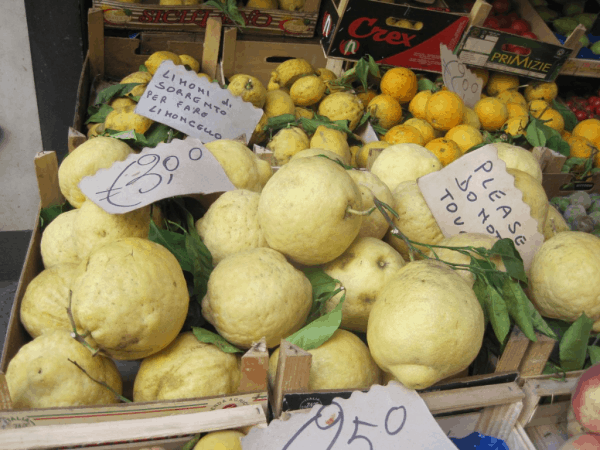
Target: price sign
[
  {"x": 459, "y": 79},
  {"x": 475, "y": 194},
  {"x": 178, "y": 168},
  {"x": 386, "y": 417},
  {"x": 193, "y": 105}
]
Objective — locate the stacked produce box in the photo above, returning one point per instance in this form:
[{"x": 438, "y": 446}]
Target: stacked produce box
[{"x": 325, "y": 262}]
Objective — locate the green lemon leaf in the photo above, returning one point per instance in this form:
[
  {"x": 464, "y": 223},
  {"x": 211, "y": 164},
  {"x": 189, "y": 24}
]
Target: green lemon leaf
[
  {"x": 116, "y": 90},
  {"x": 47, "y": 215},
  {"x": 517, "y": 308},
  {"x": 511, "y": 258},
  {"x": 174, "y": 242},
  {"x": 373, "y": 67},
  {"x": 498, "y": 313},
  {"x": 534, "y": 135},
  {"x": 362, "y": 72},
  {"x": 323, "y": 288},
  {"x": 142, "y": 68},
  {"x": 480, "y": 289},
  {"x": 202, "y": 263},
  {"x": 425, "y": 84},
  {"x": 209, "y": 337},
  {"x": 559, "y": 145},
  {"x": 279, "y": 122},
  {"x": 189, "y": 445},
  {"x": 594, "y": 352},
  {"x": 320, "y": 330},
  {"x": 100, "y": 115},
  {"x": 573, "y": 346},
  {"x": 567, "y": 114}
]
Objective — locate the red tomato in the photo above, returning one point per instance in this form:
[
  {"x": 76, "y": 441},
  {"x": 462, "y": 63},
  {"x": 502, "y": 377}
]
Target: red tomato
[
  {"x": 530, "y": 35},
  {"x": 513, "y": 16},
  {"x": 598, "y": 110},
  {"x": 507, "y": 30},
  {"x": 491, "y": 22},
  {"x": 503, "y": 21},
  {"x": 581, "y": 115},
  {"x": 501, "y": 6},
  {"x": 520, "y": 26},
  {"x": 570, "y": 103},
  {"x": 594, "y": 101}
]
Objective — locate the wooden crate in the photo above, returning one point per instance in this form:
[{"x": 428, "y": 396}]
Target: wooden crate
[{"x": 253, "y": 385}]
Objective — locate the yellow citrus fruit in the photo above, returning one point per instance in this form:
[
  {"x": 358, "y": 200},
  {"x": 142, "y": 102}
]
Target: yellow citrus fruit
[
  {"x": 418, "y": 103},
  {"x": 366, "y": 96},
  {"x": 470, "y": 118},
  {"x": 125, "y": 119},
  {"x": 516, "y": 126},
  {"x": 540, "y": 90},
  {"x": 221, "y": 440},
  {"x": 516, "y": 110},
  {"x": 444, "y": 110},
  {"x": 400, "y": 83},
  {"x": 404, "y": 134},
  {"x": 465, "y": 136},
  {"x": 137, "y": 77},
  {"x": 492, "y": 113},
  {"x": 191, "y": 62},
  {"x": 362, "y": 156},
  {"x": 580, "y": 147},
  {"x": 263, "y": 4},
  {"x": 335, "y": 141},
  {"x": 122, "y": 102},
  {"x": 446, "y": 150},
  {"x": 565, "y": 135},
  {"x": 424, "y": 128},
  {"x": 249, "y": 88},
  {"x": 307, "y": 91},
  {"x": 386, "y": 110},
  {"x": 536, "y": 107},
  {"x": 482, "y": 74},
  {"x": 203, "y": 75},
  {"x": 289, "y": 71},
  {"x": 553, "y": 119},
  {"x": 326, "y": 74},
  {"x": 157, "y": 58},
  {"x": 511, "y": 96},
  {"x": 277, "y": 103},
  {"x": 499, "y": 82},
  {"x": 342, "y": 106},
  {"x": 589, "y": 129}
]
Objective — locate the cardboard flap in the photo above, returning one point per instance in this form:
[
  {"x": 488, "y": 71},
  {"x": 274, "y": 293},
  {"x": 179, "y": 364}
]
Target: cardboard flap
[{"x": 549, "y": 160}]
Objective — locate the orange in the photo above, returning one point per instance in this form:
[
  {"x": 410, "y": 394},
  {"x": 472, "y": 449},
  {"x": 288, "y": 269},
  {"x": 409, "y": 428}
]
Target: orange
[
  {"x": 418, "y": 103},
  {"x": 400, "y": 83},
  {"x": 367, "y": 96},
  {"x": 553, "y": 119},
  {"x": 511, "y": 96},
  {"x": 499, "y": 82},
  {"x": 580, "y": 147},
  {"x": 492, "y": 113},
  {"x": 589, "y": 129},
  {"x": 424, "y": 128},
  {"x": 465, "y": 136},
  {"x": 404, "y": 134},
  {"x": 446, "y": 150},
  {"x": 540, "y": 90},
  {"x": 444, "y": 110},
  {"x": 386, "y": 110}
]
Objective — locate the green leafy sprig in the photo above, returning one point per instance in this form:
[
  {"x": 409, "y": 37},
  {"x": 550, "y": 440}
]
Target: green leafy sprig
[{"x": 230, "y": 10}]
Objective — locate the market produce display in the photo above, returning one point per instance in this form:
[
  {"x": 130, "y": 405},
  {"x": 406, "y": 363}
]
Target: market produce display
[{"x": 327, "y": 242}]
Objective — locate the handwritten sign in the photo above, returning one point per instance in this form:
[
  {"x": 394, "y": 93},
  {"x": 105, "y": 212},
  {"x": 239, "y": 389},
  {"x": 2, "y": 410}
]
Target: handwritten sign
[
  {"x": 383, "y": 418},
  {"x": 459, "y": 79},
  {"x": 475, "y": 194},
  {"x": 193, "y": 105},
  {"x": 178, "y": 168}
]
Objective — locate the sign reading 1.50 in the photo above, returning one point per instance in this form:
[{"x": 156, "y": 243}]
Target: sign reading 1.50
[{"x": 177, "y": 168}]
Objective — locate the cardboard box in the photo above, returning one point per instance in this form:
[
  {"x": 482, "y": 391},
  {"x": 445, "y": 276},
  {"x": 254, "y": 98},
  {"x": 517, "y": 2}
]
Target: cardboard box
[
  {"x": 491, "y": 49},
  {"x": 351, "y": 30},
  {"x": 149, "y": 15}
]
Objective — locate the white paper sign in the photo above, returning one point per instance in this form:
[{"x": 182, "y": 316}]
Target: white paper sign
[
  {"x": 386, "y": 417},
  {"x": 178, "y": 168},
  {"x": 475, "y": 194},
  {"x": 459, "y": 79},
  {"x": 193, "y": 105}
]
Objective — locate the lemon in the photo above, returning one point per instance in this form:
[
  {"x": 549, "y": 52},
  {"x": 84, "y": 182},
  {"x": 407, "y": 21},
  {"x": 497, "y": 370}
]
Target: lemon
[
  {"x": 415, "y": 219},
  {"x": 137, "y": 77},
  {"x": 364, "y": 96},
  {"x": 277, "y": 103},
  {"x": 499, "y": 82},
  {"x": 402, "y": 162},
  {"x": 362, "y": 156},
  {"x": 517, "y": 110},
  {"x": 221, "y": 440},
  {"x": 125, "y": 119},
  {"x": 286, "y": 143},
  {"x": 342, "y": 106},
  {"x": 315, "y": 152},
  {"x": 263, "y": 4},
  {"x": 423, "y": 127},
  {"x": 249, "y": 88},
  {"x": 95, "y": 130},
  {"x": 373, "y": 225},
  {"x": 122, "y": 102},
  {"x": 308, "y": 90},
  {"x": 230, "y": 224},
  {"x": 57, "y": 245},
  {"x": 511, "y": 96},
  {"x": 534, "y": 195},
  {"x": 306, "y": 113},
  {"x": 516, "y": 126},
  {"x": 417, "y": 106},
  {"x": 87, "y": 159},
  {"x": 289, "y": 71},
  {"x": 363, "y": 269},
  {"x": 537, "y": 107},
  {"x": 41, "y": 376},
  {"x": 444, "y": 110},
  {"x": 482, "y": 74},
  {"x": 242, "y": 166},
  {"x": 446, "y": 150},
  {"x": 186, "y": 368},
  {"x": 555, "y": 223},
  {"x": 400, "y": 83},
  {"x": 157, "y": 58},
  {"x": 540, "y": 90},
  {"x": 426, "y": 325},
  {"x": 342, "y": 362},
  {"x": 143, "y": 301},
  {"x": 516, "y": 157},
  {"x": 247, "y": 307},
  {"x": 564, "y": 277},
  {"x": 465, "y": 136},
  {"x": 94, "y": 227},
  {"x": 191, "y": 62},
  {"x": 466, "y": 240},
  {"x": 259, "y": 135},
  {"x": 386, "y": 110},
  {"x": 404, "y": 134},
  {"x": 492, "y": 113},
  {"x": 553, "y": 119},
  {"x": 470, "y": 118},
  {"x": 46, "y": 298},
  {"x": 307, "y": 210},
  {"x": 332, "y": 140}
]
